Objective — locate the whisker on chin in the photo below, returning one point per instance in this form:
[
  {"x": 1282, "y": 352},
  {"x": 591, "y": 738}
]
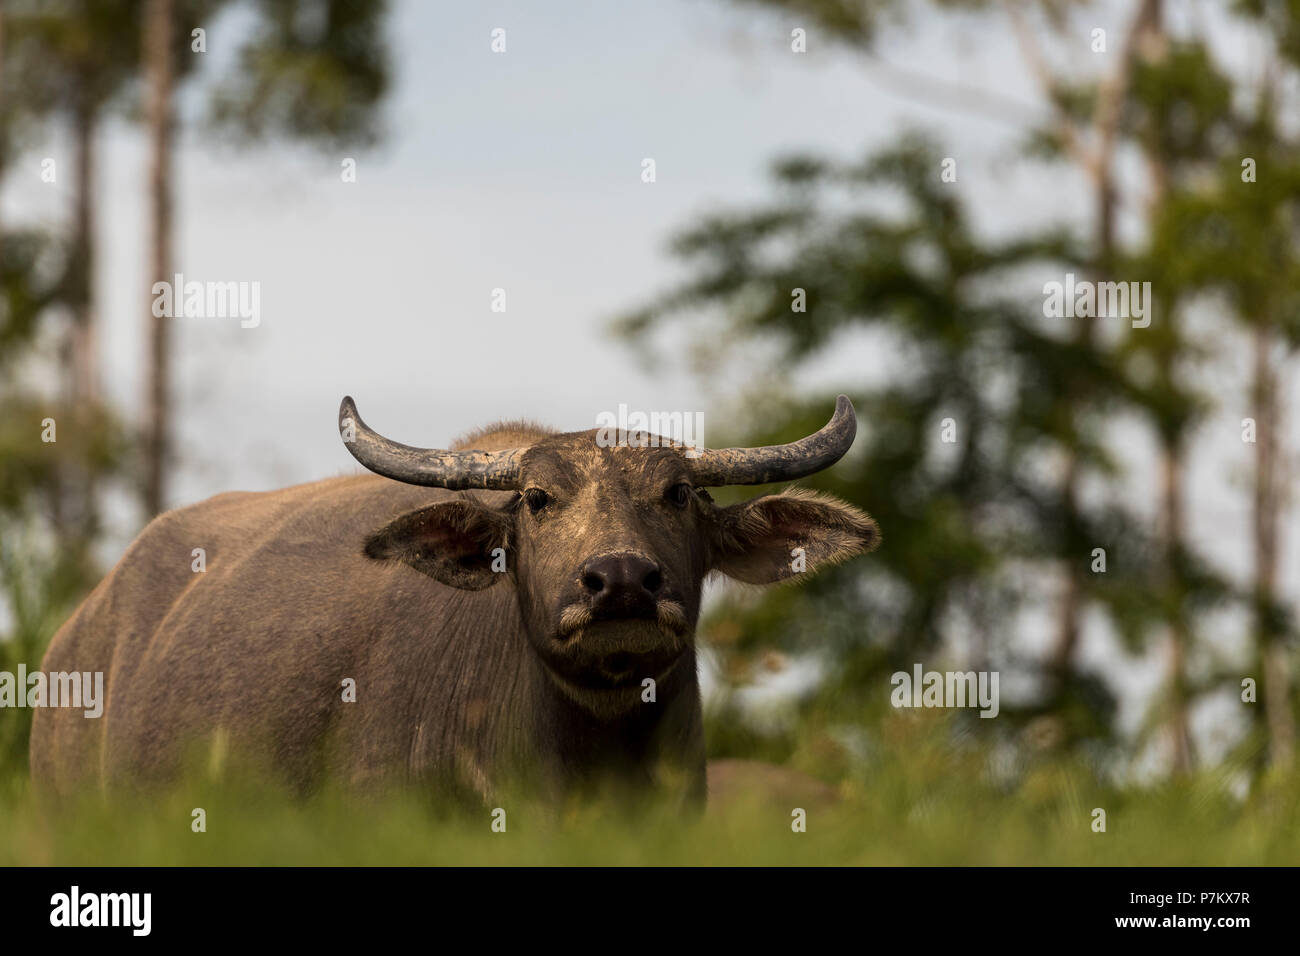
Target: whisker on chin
[
  {"x": 672, "y": 618},
  {"x": 574, "y": 618}
]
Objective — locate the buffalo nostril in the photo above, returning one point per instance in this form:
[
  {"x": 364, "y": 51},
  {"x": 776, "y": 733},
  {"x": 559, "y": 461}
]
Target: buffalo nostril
[{"x": 622, "y": 584}]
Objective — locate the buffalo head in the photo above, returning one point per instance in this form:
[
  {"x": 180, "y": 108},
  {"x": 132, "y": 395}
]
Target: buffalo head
[{"x": 608, "y": 543}]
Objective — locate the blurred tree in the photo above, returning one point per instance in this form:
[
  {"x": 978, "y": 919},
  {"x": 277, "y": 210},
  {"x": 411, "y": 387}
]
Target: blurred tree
[
  {"x": 1175, "y": 114},
  {"x": 71, "y": 61},
  {"x": 50, "y": 439},
  {"x": 1229, "y": 231},
  {"x": 1266, "y": 292},
  {"x": 171, "y": 52},
  {"x": 65, "y": 61},
  {"x": 1027, "y": 397},
  {"x": 311, "y": 70},
  {"x": 1085, "y": 128},
  {"x": 974, "y": 392},
  {"x": 159, "y": 29}
]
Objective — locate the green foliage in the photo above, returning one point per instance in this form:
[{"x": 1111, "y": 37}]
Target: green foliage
[
  {"x": 39, "y": 588},
  {"x": 31, "y": 265},
  {"x": 316, "y": 70},
  {"x": 925, "y": 794},
  {"x": 69, "y": 55},
  {"x": 312, "y": 70},
  {"x": 976, "y": 532},
  {"x": 962, "y": 521}
]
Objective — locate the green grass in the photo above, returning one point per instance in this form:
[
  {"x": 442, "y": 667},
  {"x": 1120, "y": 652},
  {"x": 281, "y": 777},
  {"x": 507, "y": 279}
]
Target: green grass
[{"x": 920, "y": 801}]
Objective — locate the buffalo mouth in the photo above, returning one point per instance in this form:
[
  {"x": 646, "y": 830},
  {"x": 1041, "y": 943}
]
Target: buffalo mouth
[
  {"x": 623, "y": 670},
  {"x": 665, "y": 617},
  {"x": 609, "y": 653},
  {"x": 619, "y": 663}
]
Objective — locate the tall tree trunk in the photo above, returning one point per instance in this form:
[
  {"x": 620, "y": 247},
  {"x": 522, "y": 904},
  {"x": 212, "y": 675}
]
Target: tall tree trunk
[
  {"x": 1171, "y": 495},
  {"x": 83, "y": 369},
  {"x": 1098, "y": 165},
  {"x": 1061, "y": 664},
  {"x": 1267, "y": 517},
  {"x": 4, "y": 156},
  {"x": 157, "y": 37},
  {"x": 75, "y": 500},
  {"x": 1152, "y": 43}
]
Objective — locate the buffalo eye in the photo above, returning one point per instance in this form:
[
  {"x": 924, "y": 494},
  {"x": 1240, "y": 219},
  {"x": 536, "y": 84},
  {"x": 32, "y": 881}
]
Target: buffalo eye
[
  {"x": 536, "y": 499},
  {"x": 679, "y": 494}
]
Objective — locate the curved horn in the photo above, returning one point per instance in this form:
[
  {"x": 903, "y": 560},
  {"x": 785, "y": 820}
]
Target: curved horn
[
  {"x": 456, "y": 470},
  {"x": 758, "y": 466}
]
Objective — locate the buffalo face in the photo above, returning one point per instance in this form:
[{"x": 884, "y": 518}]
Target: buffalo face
[{"x": 608, "y": 545}]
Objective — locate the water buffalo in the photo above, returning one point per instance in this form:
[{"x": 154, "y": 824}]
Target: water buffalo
[{"x": 519, "y": 607}]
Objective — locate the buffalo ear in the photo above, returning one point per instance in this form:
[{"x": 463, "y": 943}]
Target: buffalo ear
[
  {"x": 452, "y": 542},
  {"x": 758, "y": 541}
]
